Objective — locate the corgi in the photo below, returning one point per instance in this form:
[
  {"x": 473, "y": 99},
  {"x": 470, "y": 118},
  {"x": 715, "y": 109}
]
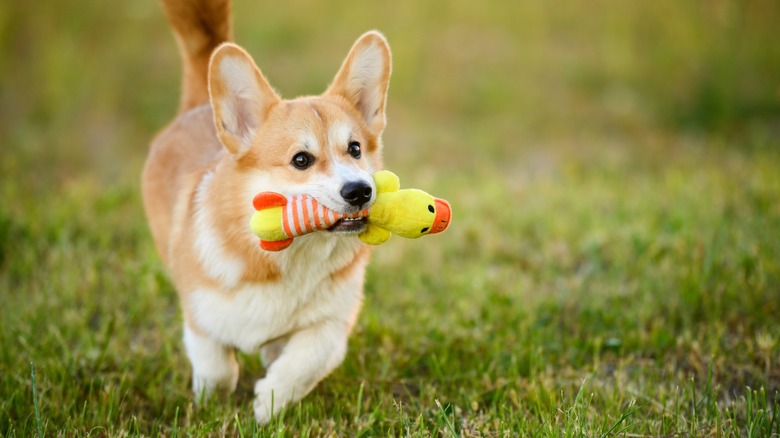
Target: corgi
[{"x": 234, "y": 137}]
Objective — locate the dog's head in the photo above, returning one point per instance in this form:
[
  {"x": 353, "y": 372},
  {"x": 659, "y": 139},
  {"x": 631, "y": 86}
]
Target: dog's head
[{"x": 326, "y": 146}]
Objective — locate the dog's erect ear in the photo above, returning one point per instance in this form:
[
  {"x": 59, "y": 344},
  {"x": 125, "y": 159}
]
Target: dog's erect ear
[
  {"x": 364, "y": 77},
  {"x": 240, "y": 96}
]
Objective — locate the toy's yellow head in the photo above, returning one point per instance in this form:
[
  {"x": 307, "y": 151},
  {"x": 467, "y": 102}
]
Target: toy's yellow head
[{"x": 408, "y": 213}]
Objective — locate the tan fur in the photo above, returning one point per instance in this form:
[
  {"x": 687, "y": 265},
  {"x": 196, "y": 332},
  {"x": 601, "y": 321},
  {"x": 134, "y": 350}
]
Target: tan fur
[
  {"x": 204, "y": 168},
  {"x": 199, "y": 27}
]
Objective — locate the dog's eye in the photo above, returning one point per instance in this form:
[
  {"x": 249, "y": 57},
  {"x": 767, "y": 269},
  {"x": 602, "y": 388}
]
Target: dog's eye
[
  {"x": 302, "y": 160},
  {"x": 354, "y": 149}
]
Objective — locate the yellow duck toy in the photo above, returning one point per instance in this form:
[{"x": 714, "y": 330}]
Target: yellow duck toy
[{"x": 408, "y": 213}]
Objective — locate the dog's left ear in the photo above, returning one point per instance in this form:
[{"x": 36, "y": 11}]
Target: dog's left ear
[{"x": 364, "y": 77}]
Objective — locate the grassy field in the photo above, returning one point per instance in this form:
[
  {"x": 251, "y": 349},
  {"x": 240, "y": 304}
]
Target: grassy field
[{"x": 613, "y": 268}]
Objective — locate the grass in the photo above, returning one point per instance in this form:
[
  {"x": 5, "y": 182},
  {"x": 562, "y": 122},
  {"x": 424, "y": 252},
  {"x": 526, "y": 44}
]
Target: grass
[{"x": 613, "y": 268}]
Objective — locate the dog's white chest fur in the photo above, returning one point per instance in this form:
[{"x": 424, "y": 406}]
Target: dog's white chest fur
[{"x": 251, "y": 314}]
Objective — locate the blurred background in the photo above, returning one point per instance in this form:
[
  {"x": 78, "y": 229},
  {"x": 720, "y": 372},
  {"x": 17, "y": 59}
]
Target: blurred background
[
  {"x": 614, "y": 171},
  {"x": 475, "y": 86}
]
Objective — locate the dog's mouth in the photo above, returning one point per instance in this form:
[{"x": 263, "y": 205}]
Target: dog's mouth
[{"x": 349, "y": 225}]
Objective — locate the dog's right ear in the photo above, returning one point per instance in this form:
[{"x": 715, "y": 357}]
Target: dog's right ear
[
  {"x": 240, "y": 96},
  {"x": 364, "y": 77}
]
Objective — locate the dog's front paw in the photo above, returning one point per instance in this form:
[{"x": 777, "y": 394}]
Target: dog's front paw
[
  {"x": 262, "y": 410},
  {"x": 268, "y": 401},
  {"x": 214, "y": 366},
  {"x": 222, "y": 382}
]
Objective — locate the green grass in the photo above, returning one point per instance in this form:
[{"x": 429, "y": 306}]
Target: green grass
[{"x": 613, "y": 268}]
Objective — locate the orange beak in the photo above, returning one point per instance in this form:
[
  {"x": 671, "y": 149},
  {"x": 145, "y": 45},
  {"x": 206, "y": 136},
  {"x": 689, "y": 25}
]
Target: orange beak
[{"x": 443, "y": 216}]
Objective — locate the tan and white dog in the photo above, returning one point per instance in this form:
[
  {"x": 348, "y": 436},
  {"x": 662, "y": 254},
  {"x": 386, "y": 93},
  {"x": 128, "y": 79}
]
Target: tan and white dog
[{"x": 233, "y": 138}]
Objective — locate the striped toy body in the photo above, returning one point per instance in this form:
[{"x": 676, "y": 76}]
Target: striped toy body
[
  {"x": 279, "y": 219},
  {"x": 303, "y": 215}
]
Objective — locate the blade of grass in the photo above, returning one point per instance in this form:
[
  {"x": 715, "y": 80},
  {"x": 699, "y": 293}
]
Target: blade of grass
[
  {"x": 625, "y": 416},
  {"x": 239, "y": 426},
  {"x": 38, "y": 423},
  {"x": 359, "y": 407},
  {"x": 446, "y": 418}
]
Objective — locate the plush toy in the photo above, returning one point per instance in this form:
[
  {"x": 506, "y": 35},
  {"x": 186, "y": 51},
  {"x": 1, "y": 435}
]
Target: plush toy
[{"x": 409, "y": 213}]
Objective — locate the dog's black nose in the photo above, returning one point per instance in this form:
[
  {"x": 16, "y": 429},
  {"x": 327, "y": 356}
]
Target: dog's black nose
[{"x": 356, "y": 193}]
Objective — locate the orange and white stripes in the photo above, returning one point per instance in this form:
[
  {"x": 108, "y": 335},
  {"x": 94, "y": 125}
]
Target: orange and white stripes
[{"x": 303, "y": 214}]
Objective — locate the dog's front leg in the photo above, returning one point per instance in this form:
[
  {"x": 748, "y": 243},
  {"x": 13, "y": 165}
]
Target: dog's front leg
[
  {"x": 214, "y": 366},
  {"x": 309, "y": 356}
]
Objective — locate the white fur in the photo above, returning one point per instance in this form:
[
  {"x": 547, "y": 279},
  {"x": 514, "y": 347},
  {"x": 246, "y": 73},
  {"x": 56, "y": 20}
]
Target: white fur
[
  {"x": 309, "y": 142},
  {"x": 243, "y": 94},
  {"x": 217, "y": 262},
  {"x": 310, "y": 354},
  {"x": 214, "y": 366},
  {"x": 339, "y": 134},
  {"x": 249, "y": 315},
  {"x": 304, "y": 320},
  {"x": 238, "y": 74},
  {"x": 237, "y": 115},
  {"x": 366, "y": 73},
  {"x": 316, "y": 113},
  {"x": 365, "y": 83}
]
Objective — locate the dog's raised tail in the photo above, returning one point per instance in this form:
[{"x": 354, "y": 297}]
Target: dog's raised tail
[{"x": 199, "y": 27}]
